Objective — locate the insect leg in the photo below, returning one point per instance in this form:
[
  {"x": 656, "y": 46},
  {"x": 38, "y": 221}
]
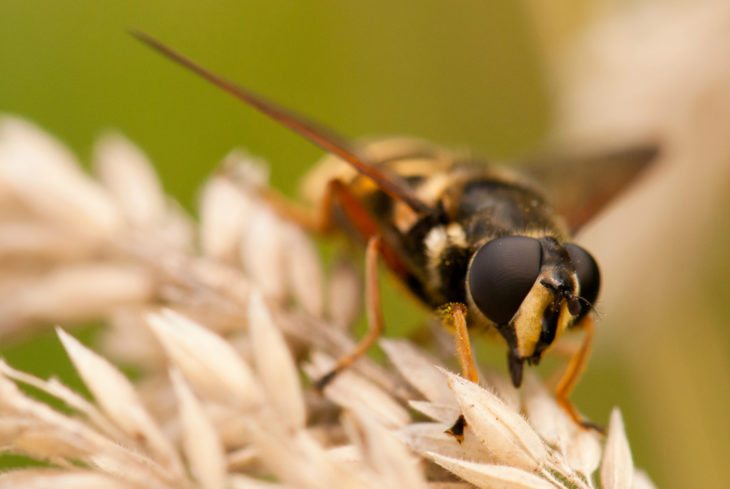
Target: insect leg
[
  {"x": 453, "y": 318},
  {"x": 321, "y": 221},
  {"x": 337, "y": 192},
  {"x": 314, "y": 222},
  {"x": 374, "y": 314},
  {"x": 573, "y": 372}
]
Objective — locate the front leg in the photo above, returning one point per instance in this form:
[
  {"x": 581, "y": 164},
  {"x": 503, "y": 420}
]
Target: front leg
[
  {"x": 573, "y": 371},
  {"x": 453, "y": 318}
]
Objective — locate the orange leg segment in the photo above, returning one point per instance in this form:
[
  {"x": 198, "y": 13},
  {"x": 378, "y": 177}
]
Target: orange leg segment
[
  {"x": 570, "y": 377},
  {"x": 374, "y": 315},
  {"x": 322, "y": 220},
  {"x": 453, "y": 318},
  {"x": 337, "y": 193}
]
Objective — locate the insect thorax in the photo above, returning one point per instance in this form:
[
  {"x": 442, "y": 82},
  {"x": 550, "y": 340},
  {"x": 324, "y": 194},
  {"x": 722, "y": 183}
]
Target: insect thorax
[{"x": 474, "y": 201}]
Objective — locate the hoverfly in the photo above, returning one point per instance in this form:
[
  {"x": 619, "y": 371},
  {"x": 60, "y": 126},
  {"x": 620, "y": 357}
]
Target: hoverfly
[{"x": 481, "y": 245}]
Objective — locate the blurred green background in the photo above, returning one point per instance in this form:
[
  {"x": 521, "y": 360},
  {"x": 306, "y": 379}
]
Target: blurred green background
[{"x": 465, "y": 73}]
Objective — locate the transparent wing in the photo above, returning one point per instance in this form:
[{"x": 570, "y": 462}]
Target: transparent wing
[{"x": 580, "y": 185}]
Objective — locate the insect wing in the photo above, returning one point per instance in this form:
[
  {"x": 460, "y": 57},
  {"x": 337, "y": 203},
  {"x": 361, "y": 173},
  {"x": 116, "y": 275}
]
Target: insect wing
[{"x": 580, "y": 185}]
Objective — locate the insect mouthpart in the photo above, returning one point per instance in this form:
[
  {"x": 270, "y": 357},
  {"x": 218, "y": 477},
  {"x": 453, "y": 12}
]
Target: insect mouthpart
[
  {"x": 559, "y": 306},
  {"x": 563, "y": 292},
  {"x": 516, "y": 367}
]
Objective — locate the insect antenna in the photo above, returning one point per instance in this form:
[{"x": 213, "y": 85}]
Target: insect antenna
[
  {"x": 324, "y": 138},
  {"x": 591, "y": 307}
]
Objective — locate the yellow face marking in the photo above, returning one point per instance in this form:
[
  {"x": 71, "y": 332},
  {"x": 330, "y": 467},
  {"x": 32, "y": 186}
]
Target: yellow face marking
[
  {"x": 528, "y": 321},
  {"x": 564, "y": 321}
]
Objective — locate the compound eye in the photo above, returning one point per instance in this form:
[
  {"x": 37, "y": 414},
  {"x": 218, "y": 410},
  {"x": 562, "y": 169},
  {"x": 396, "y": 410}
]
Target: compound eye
[
  {"x": 501, "y": 274},
  {"x": 586, "y": 268}
]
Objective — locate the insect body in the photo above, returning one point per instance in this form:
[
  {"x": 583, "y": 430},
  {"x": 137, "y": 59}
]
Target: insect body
[
  {"x": 491, "y": 242},
  {"x": 480, "y": 244}
]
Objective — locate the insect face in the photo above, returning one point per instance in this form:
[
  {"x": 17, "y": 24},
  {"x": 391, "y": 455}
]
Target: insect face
[{"x": 531, "y": 290}]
